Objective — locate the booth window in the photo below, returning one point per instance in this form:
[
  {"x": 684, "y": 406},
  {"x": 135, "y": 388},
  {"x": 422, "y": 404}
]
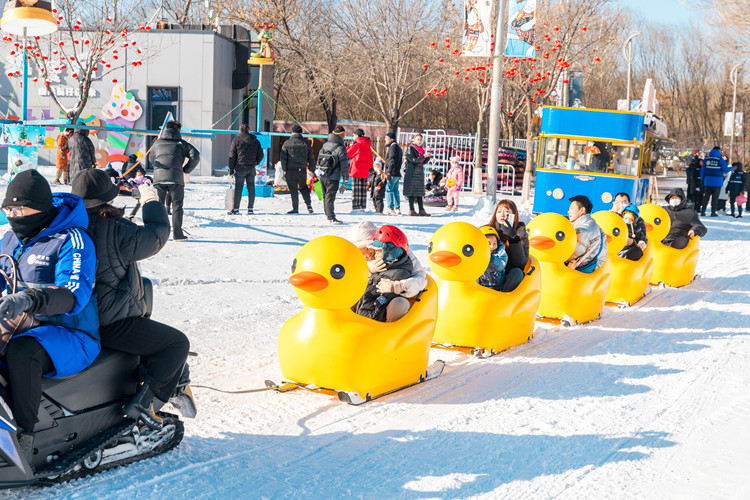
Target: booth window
[{"x": 590, "y": 156}]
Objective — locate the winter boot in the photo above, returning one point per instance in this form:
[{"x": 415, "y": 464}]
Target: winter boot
[
  {"x": 144, "y": 406},
  {"x": 184, "y": 402},
  {"x": 292, "y": 211},
  {"x": 249, "y": 211},
  {"x": 26, "y": 443},
  {"x": 234, "y": 212},
  {"x": 422, "y": 213},
  {"x": 309, "y": 209},
  {"x": 413, "y": 213}
]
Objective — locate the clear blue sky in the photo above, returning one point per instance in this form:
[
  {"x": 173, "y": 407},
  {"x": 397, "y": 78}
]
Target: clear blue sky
[{"x": 665, "y": 11}]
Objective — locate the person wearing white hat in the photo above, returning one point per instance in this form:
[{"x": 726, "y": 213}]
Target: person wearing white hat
[{"x": 362, "y": 234}]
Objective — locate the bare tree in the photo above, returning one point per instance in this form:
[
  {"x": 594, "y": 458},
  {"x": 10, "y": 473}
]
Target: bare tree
[{"x": 89, "y": 45}]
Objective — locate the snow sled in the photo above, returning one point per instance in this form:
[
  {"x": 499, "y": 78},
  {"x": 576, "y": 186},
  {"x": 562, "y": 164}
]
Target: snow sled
[
  {"x": 672, "y": 266},
  {"x": 629, "y": 279},
  {"x": 81, "y": 428},
  {"x": 489, "y": 320},
  {"x": 329, "y": 346},
  {"x": 567, "y": 294},
  {"x": 432, "y": 200}
]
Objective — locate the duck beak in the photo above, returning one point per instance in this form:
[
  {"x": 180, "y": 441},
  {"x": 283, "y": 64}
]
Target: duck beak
[
  {"x": 649, "y": 227},
  {"x": 445, "y": 259},
  {"x": 609, "y": 239},
  {"x": 308, "y": 281},
  {"x": 541, "y": 242}
]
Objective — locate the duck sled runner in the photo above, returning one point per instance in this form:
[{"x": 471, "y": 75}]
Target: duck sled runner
[{"x": 351, "y": 397}]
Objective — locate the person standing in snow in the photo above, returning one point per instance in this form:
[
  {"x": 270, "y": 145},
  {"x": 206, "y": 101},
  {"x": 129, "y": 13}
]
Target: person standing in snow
[
  {"x": 172, "y": 158},
  {"x": 416, "y": 156},
  {"x": 82, "y": 153},
  {"x": 120, "y": 294},
  {"x": 332, "y": 165},
  {"x": 245, "y": 154},
  {"x": 685, "y": 223},
  {"x": 360, "y": 165},
  {"x": 735, "y": 187},
  {"x": 62, "y": 156},
  {"x": 297, "y": 159},
  {"x": 393, "y": 159},
  {"x": 712, "y": 177}
]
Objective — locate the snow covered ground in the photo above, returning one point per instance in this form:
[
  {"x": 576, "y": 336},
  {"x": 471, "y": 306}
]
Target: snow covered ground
[{"x": 647, "y": 402}]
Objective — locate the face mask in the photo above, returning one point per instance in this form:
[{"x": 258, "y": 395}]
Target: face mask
[
  {"x": 25, "y": 228},
  {"x": 673, "y": 202}
]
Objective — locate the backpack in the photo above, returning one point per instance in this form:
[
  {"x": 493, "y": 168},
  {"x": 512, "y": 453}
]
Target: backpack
[{"x": 326, "y": 160}]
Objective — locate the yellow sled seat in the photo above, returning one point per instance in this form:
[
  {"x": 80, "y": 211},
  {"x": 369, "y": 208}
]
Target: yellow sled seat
[
  {"x": 329, "y": 346},
  {"x": 470, "y": 315},
  {"x": 565, "y": 292},
  {"x": 672, "y": 266},
  {"x": 629, "y": 279}
]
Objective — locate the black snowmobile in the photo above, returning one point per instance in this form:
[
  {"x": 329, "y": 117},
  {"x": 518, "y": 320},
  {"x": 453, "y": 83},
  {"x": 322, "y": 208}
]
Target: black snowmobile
[{"x": 82, "y": 429}]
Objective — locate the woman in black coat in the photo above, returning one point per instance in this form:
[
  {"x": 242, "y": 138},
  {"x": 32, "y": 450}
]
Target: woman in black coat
[
  {"x": 121, "y": 296},
  {"x": 513, "y": 232},
  {"x": 414, "y": 175}
]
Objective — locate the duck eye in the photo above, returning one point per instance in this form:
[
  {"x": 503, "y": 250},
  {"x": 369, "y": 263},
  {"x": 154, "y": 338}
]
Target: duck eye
[
  {"x": 468, "y": 250},
  {"x": 429, "y": 247},
  {"x": 294, "y": 265},
  {"x": 616, "y": 231},
  {"x": 559, "y": 236},
  {"x": 657, "y": 221},
  {"x": 337, "y": 271}
]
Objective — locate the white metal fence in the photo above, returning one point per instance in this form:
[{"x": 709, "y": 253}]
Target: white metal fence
[{"x": 443, "y": 146}]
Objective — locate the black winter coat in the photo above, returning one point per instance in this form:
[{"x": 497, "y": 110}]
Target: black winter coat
[
  {"x": 377, "y": 186},
  {"x": 168, "y": 155},
  {"x": 394, "y": 157},
  {"x": 637, "y": 231},
  {"x": 245, "y": 154},
  {"x": 367, "y": 306},
  {"x": 341, "y": 169},
  {"x": 82, "y": 152},
  {"x": 414, "y": 172},
  {"x": 693, "y": 174},
  {"x": 517, "y": 246},
  {"x": 736, "y": 184},
  {"x": 119, "y": 245},
  {"x": 683, "y": 219},
  {"x": 297, "y": 153}
]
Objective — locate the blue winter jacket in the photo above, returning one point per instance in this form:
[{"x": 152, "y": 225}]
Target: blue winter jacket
[
  {"x": 62, "y": 255},
  {"x": 713, "y": 169}
]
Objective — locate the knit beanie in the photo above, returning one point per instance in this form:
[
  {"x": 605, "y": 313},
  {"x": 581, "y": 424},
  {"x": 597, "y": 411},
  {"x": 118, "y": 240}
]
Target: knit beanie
[
  {"x": 339, "y": 130},
  {"x": 95, "y": 187},
  {"x": 29, "y": 189},
  {"x": 296, "y": 128},
  {"x": 362, "y": 233}
]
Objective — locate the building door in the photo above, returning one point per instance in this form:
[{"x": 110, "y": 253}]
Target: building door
[{"x": 161, "y": 102}]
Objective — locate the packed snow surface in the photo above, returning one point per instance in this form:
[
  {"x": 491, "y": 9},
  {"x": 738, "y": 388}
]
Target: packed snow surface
[{"x": 647, "y": 402}]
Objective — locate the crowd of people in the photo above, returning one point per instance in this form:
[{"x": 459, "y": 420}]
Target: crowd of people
[{"x": 711, "y": 179}]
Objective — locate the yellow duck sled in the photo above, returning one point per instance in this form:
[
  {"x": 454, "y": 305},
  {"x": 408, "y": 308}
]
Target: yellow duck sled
[
  {"x": 567, "y": 295},
  {"x": 629, "y": 279},
  {"x": 471, "y": 315},
  {"x": 327, "y": 345},
  {"x": 672, "y": 266}
]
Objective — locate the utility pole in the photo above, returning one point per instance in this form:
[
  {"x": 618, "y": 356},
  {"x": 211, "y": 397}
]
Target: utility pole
[
  {"x": 629, "y": 57},
  {"x": 496, "y": 96},
  {"x": 733, "y": 79}
]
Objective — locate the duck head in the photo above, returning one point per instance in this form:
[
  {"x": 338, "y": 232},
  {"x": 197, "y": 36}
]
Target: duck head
[
  {"x": 552, "y": 238},
  {"x": 614, "y": 228},
  {"x": 458, "y": 251},
  {"x": 657, "y": 221},
  {"x": 329, "y": 273}
]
